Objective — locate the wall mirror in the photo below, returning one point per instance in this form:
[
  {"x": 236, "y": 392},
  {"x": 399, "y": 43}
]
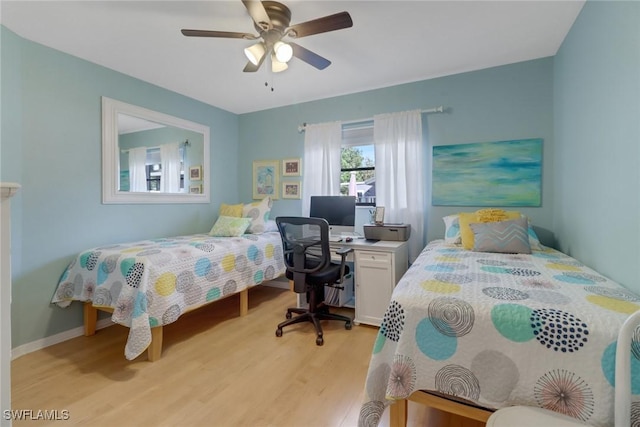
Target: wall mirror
[{"x": 151, "y": 157}]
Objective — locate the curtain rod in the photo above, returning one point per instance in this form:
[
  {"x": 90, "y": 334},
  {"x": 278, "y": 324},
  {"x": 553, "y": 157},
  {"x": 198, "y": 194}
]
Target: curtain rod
[{"x": 439, "y": 109}]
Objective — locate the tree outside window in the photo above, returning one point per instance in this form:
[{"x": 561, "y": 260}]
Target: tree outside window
[{"x": 357, "y": 177}]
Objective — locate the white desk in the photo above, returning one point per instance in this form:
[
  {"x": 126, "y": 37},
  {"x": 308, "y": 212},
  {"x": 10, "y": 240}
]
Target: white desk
[{"x": 378, "y": 266}]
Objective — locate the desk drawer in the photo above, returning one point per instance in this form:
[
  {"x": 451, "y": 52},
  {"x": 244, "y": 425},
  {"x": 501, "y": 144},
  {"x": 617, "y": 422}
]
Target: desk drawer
[{"x": 371, "y": 257}]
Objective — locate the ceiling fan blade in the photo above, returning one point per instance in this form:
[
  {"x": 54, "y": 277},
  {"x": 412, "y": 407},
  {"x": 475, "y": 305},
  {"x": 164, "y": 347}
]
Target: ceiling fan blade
[
  {"x": 309, "y": 57},
  {"x": 258, "y": 13},
  {"x": 333, "y": 22},
  {"x": 223, "y": 34}
]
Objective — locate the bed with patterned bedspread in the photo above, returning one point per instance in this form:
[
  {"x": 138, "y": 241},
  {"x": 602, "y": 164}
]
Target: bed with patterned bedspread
[
  {"x": 498, "y": 330},
  {"x": 151, "y": 283}
]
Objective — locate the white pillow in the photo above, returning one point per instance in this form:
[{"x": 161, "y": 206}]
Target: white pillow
[
  {"x": 452, "y": 229},
  {"x": 259, "y": 214},
  {"x": 534, "y": 241},
  {"x": 271, "y": 226}
]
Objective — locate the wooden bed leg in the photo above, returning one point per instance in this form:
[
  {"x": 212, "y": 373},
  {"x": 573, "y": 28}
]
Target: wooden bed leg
[
  {"x": 398, "y": 413},
  {"x": 244, "y": 302},
  {"x": 90, "y": 319},
  {"x": 155, "y": 348}
]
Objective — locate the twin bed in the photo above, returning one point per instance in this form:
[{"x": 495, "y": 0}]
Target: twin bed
[
  {"x": 151, "y": 283},
  {"x": 469, "y": 332}
]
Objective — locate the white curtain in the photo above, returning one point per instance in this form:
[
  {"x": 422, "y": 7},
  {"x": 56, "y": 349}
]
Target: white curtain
[
  {"x": 400, "y": 172},
  {"x": 321, "y": 172},
  {"x": 170, "y": 160},
  {"x": 137, "y": 169}
]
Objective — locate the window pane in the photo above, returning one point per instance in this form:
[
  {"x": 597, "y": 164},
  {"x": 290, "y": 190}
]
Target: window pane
[{"x": 360, "y": 183}]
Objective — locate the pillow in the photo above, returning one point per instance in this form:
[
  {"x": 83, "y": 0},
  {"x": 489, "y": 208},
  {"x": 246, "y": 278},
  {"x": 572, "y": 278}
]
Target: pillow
[
  {"x": 482, "y": 216},
  {"x": 270, "y": 225},
  {"x": 492, "y": 215},
  {"x": 231, "y": 210},
  {"x": 452, "y": 229},
  {"x": 228, "y": 226},
  {"x": 508, "y": 237},
  {"x": 534, "y": 241},
  {"x": 259, "y": 214}
]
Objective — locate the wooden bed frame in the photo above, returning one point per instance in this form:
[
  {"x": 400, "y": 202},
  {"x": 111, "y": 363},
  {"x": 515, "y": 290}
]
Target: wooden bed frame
[
  {"x": 154, "y": 351},
  {"x": 398, "y": 411}
]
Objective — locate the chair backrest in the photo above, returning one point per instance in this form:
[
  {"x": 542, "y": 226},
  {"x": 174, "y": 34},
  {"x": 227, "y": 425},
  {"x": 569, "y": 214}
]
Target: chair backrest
[
  {"x": 623, "y": 369},
  {"x": 306, "y": 247}
]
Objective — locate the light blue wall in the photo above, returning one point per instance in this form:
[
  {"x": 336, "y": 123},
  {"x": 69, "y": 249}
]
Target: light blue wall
[
  {"x": 597, "y": 151},
  {"x": 51, "y": 145},
  {"x": 584, "y": 103},
  {"x": 502, "y": 103}
]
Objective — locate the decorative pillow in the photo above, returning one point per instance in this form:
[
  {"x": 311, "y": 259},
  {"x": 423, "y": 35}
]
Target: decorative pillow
[
  {"x": 452, "y": 229},
  {"x": 231, "y": 210},
  {"x": 492, "y": 215},
  {"x": 481, "y": 216},
  {"x": 227, "y": 226},
  {"x": 259, "y": 214},
  {"x": 509, "y": 237}
]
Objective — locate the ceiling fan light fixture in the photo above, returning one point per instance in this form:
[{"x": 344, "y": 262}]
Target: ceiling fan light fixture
[
  {"x": 255, "y": 53},
  {"x": 277, "y": 66},
  {"x": 284, "y": 51}
]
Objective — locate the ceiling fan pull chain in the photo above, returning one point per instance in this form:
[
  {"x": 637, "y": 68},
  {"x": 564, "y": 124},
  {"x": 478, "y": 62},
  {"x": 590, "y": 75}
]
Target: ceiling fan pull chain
[{"x": 269, "y": 77}]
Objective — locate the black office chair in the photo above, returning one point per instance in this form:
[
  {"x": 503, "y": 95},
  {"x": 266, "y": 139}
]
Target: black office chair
[{"x": 307, "y": 257}]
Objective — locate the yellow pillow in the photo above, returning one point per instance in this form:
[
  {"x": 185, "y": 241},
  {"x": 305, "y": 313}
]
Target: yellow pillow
[
  {"x": 481, "y": 215},
  {"x": 231, "y": 210}
]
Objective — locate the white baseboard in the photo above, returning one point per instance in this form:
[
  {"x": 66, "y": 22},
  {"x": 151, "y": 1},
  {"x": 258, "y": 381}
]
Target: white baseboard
[
  {"x": 281, "y": 282},
  {"x": 55, "y": 339}
]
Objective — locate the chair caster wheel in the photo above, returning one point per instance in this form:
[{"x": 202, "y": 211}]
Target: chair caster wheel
[
  {"x": 319, "y": 341},
  {"x": 348, "y": 326},
  {"x": 288, "y": 316},
  {"x": 279, "y": 332}
]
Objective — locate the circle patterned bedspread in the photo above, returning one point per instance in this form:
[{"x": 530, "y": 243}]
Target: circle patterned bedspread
[
  {"x": 503, "y": 329},
  {"x": 153, "y": 282}
]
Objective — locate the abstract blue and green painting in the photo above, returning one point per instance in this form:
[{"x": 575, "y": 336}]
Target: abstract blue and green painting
[{"x": 500, "y": 173}]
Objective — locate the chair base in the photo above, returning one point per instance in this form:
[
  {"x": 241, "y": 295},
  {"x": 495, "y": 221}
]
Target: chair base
[{"x": 305, "y": 315}]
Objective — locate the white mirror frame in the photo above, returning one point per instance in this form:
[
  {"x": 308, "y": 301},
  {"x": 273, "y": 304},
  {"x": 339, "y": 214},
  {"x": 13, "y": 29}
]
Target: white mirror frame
[{"x": 111, "y": 157}]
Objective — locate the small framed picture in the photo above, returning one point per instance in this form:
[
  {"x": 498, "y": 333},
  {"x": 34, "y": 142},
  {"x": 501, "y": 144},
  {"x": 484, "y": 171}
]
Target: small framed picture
[
  {"x": 195, "y": 173},
  {"x": 291, "y": 190},
  {"x": 379, "y": 217},
  {"x": 292, "y": 167},
  {"x": 265, "y": 179},
  {"x": 195, "y": 189}
]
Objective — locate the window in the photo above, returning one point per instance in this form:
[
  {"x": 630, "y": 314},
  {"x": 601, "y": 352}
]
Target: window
[
  {"x": 358, "y": 168},
  {"x": 152, "y": 168}
]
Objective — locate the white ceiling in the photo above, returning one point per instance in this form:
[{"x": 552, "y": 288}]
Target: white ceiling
[{"x": 391, "y": 42}]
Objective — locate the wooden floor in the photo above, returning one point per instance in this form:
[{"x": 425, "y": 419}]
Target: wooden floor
[{"x": 217, "y": 369}]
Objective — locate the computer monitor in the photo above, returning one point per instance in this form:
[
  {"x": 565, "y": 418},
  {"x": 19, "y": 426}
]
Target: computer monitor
[{"x": 339, "y": 211}]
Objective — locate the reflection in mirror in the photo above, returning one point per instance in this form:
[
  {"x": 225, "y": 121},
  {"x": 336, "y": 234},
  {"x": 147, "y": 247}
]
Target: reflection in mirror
[{"x": 147, "y": 156}]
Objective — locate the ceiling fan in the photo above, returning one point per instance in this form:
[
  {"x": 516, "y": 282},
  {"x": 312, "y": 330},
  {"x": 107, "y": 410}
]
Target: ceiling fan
[{"x": 271, "y": 20}]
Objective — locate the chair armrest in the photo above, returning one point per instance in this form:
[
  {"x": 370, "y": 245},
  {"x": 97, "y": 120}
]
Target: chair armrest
[{"x": 343, "y": 252}]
